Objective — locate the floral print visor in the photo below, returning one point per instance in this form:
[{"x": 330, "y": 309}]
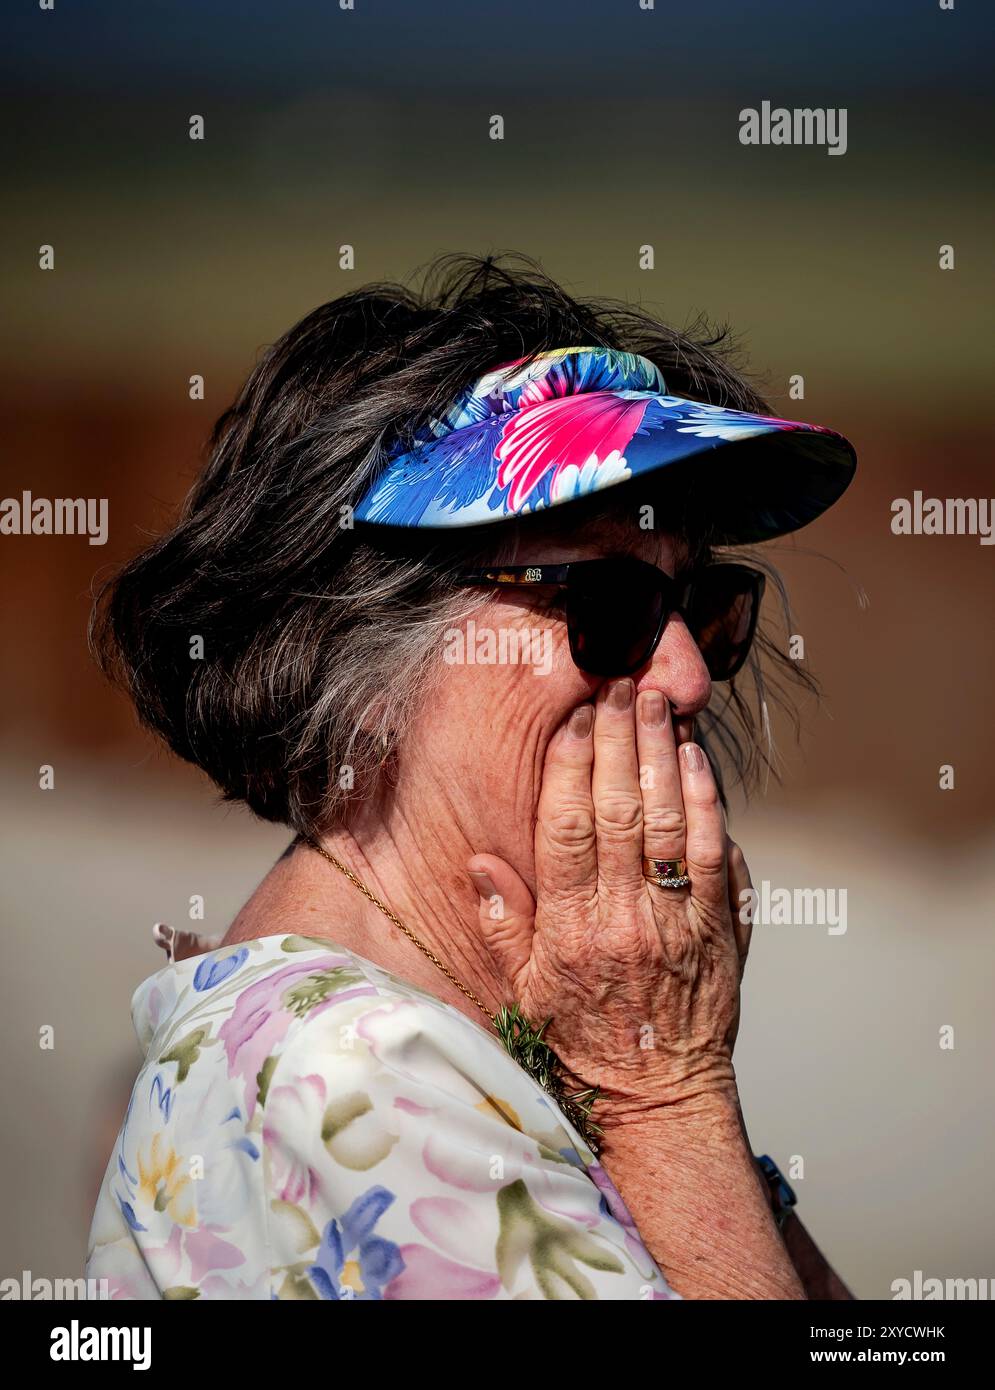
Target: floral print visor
[{"x": 542, "y": 431}]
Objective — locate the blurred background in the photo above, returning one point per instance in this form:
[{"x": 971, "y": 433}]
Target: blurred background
[{"x": 370, "y": 127}]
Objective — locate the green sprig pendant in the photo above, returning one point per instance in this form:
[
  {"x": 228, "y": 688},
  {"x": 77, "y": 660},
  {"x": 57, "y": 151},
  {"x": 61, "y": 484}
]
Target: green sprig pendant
[{"x": 533, "y": 1054}]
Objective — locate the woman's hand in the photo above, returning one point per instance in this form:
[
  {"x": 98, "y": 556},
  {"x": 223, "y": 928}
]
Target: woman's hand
[{"x": 642, "y": 983}]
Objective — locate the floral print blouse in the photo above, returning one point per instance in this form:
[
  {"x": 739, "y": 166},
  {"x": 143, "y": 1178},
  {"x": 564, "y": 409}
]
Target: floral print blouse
[{"x": 308, "y": 1126}]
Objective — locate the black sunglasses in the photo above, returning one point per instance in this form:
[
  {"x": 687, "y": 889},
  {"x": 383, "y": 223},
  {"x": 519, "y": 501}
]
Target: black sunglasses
[{"x": 617, "y": 609}]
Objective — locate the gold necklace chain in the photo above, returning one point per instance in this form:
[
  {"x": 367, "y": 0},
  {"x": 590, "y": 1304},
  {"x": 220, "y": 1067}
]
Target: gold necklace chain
[
  {"x": 526, "y": 1044},
  {"x": 398, "y": 923}
]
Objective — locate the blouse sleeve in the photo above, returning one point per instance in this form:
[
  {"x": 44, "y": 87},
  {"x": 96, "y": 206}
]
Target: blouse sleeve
[{"x": 406, "y": 1156}]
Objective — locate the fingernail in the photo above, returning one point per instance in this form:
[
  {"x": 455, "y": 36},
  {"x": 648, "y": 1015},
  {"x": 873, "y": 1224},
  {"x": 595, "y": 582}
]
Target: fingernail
[
  {"x": 482, "y": 883},
  {"x": 620, "y": 694},
  {"x": 694, "y": 758},
  {"x": 581, "y": 722},
  {"x": 652, "y": 709}
]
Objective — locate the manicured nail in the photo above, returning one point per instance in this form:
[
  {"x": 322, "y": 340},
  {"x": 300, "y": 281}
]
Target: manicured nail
[
  {"x": 482, "y": 883},
  {"x": 620, "y": 694},
  {"x": 652, "y": 708},
  {"x": 581, "y": 722},
  {"x": 694, "y": 758}
]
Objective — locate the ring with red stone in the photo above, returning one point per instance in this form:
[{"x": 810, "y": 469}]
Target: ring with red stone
[{"x": 666, "y": 873}]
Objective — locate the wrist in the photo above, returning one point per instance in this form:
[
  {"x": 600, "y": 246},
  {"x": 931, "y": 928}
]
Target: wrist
[
  {"x": 637, "y": 1083},
  {"x": 699, "y": 1118},
  {"x": 709, "y": 1097},
  {"x": 689, "y": 1165}
]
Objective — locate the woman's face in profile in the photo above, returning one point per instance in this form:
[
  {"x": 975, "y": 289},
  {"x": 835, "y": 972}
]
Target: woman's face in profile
[{"x": 508, "y": 681}]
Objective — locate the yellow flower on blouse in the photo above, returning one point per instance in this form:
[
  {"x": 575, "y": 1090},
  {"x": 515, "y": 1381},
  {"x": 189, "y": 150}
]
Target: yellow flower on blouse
[{"x": 165, "y": 1185}]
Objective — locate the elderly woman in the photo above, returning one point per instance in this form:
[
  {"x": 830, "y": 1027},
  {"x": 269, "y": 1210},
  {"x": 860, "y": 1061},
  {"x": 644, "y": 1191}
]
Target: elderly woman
[{"x": 448, "y": 601}]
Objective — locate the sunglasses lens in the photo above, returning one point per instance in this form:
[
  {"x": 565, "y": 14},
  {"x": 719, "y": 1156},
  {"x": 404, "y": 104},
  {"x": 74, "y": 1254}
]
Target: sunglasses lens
[
  {"x": 615, "y": 611},
  {"x": 722, "y": 617}
]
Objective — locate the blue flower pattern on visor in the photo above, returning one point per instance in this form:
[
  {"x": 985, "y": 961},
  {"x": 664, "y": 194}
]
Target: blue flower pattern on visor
[{"x": 537, "y": 433}]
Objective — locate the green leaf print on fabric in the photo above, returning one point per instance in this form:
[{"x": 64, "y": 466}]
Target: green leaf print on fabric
[
  {"x": 181, "y": 1293},
  {"x": 290, "y": 944},
  {"x": 551, "y": 1245},
  {"x": 300, "y": 998},
  {"x": 297, "y": 1287},
  {"x": 263, "y": 1078},
  {"x": 351, "y": 1143},
  {"x": 185, "y": 1052},
  {"x": 299, "y": 1230}
]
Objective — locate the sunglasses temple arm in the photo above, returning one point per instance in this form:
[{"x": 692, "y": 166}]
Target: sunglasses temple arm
[{"x": 518, "y": 574}]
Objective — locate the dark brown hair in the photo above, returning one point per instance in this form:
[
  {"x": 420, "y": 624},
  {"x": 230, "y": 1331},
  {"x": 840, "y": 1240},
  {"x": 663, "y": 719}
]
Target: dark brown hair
[{"x": 316, "y": 635}]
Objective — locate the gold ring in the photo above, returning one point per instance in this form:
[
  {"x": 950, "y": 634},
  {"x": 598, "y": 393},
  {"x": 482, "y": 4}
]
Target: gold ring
[{"x": 666, "y": 873}]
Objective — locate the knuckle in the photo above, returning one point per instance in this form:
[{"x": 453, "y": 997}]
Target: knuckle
[
  {"x": 570, "y": 828},
  {"x": 706, "y": 863},
  {"x": 618, "y": 813},
  {"x": 615, "y": 735},
  {"x": 664, "y": 820},
  {"x": 706, "y": 798}
]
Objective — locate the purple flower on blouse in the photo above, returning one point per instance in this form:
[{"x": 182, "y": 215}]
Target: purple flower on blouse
[
  {"x": 213, "y": 971},
  {"x": 260, "y": 1020},
  {"x": 353, "y": 1262}
]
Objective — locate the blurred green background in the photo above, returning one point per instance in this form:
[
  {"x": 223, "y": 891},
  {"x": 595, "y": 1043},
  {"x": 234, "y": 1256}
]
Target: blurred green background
[{"x": 370, "y": 128}]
